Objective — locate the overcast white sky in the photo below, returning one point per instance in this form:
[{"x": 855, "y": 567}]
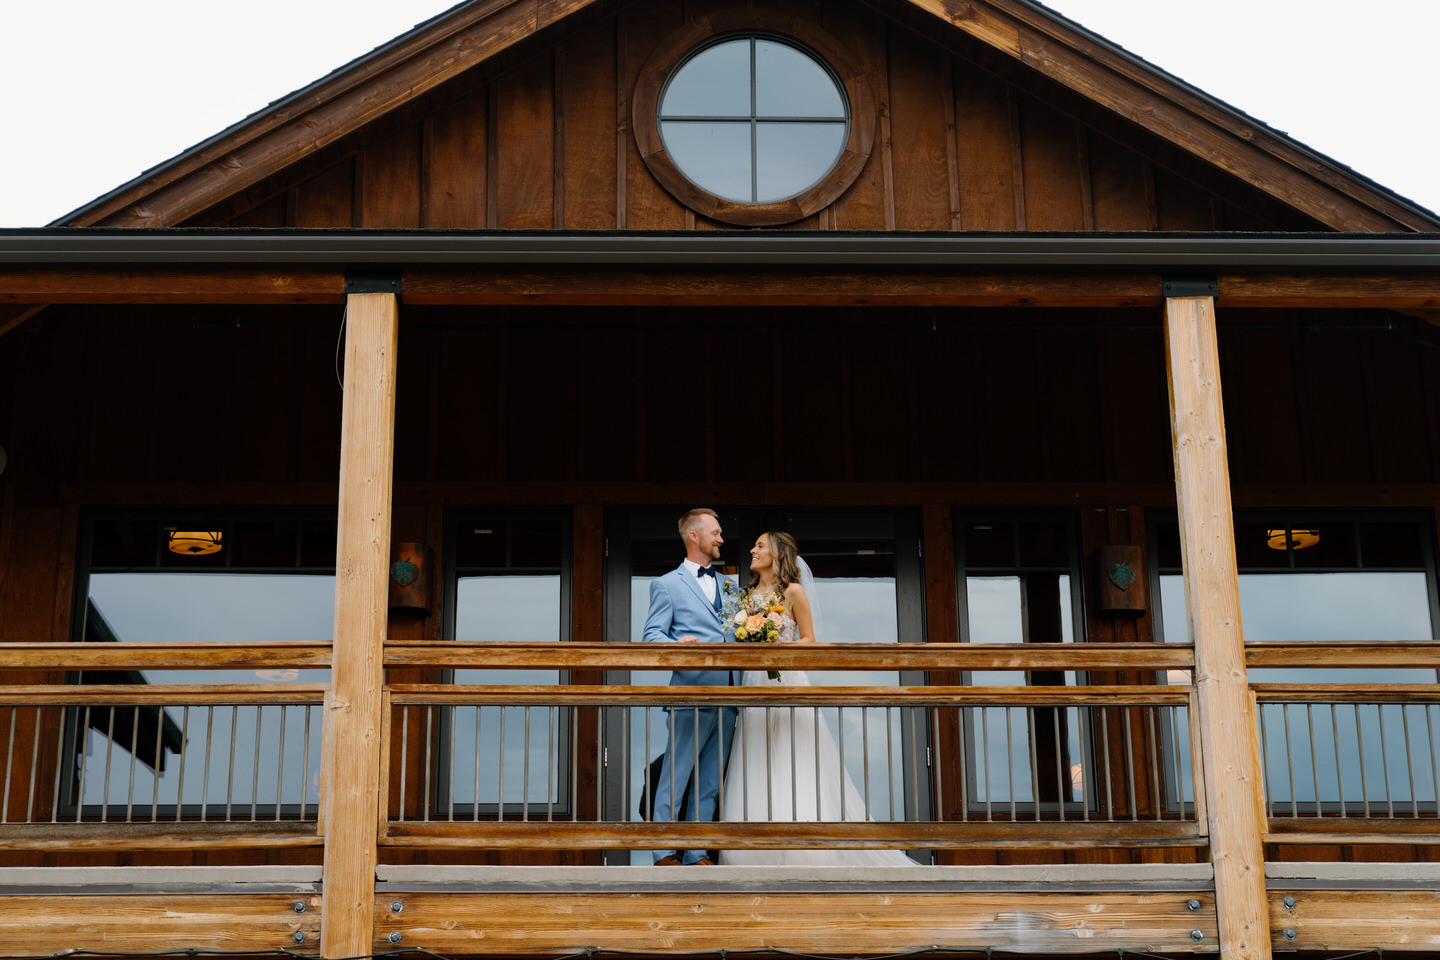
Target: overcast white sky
[{"x": 97, "y": 91}]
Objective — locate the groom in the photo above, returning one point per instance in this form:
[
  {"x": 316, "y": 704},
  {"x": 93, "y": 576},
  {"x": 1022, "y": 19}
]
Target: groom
[{"x": 685, "y": 607}]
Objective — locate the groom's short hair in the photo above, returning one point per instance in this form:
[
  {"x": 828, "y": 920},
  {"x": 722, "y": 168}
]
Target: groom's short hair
[{"x": 691, "y": 519}]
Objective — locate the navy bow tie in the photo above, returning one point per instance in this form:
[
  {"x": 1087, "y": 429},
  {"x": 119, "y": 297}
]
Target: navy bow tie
[{"x": 705, "y": 572}]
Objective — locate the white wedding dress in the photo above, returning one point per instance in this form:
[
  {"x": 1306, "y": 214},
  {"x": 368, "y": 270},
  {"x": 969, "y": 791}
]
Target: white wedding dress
[{"x": 787, "y": 767}]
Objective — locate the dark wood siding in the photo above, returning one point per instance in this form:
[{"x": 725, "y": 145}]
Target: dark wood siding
[{"x": 542, "y": 140}]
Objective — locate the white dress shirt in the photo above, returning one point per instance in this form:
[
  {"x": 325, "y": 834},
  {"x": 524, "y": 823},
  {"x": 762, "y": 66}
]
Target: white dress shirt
[{"x": 708, "y": 585}]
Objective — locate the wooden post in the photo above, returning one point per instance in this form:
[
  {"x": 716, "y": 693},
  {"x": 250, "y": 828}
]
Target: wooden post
[
  {"x": 1212, "y": 598},
  {"x": 362, "y": 560}
]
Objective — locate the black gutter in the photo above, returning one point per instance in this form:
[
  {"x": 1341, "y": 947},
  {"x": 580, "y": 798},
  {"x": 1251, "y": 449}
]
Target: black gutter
[{"x": 339, "y": 249}]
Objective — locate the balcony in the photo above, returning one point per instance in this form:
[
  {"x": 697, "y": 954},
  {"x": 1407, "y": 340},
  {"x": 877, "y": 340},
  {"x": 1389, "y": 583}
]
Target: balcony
[{"x": 509, "y": 820}]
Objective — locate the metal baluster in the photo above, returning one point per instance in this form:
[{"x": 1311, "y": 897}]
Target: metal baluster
[
  {"x": 1385, "y": 761},
  {"x": 305, "y": 769},
  {"x": 1130, "y": 765},
  {"x": 1177, "y": 716},
  {"x": 602, "y": 724},
  {"x": 795, "y": 786},
  {"x": 985, "y": 754},
  {"x": 9, "y": 765},
  {"x": 475, "y": 801},
  {"x": 1010, "y": 757},
  {"x": 719, "y": 757},
  {"x": 814, "y": 752},
  {"x": 961, "y": 727},
  {"x": 1154, "y": 761},
  {"x": 769, "y": 781},
  {"x": 230, "y": 778},
  {"x": 935, "y": 748},
  {"x": 1105, "y": 770},
  {"x": 1063, "y": 784},
  {"x": 1364, "y": 775},
  {"x": 205, "y": 779},
  {"x": 914, "y": 766},
  {"x": 525, "y": 771},
  {"x": 840, "y": 723},
  {"x": 1086, "y": 736},
  {"x": 1339, "y": 773},
  {"x": 645, "y": 762},
  {"x": 627, "y": 732},
  {"x": 184, "y": 744},
  {"x": 404, "y": 753},
  {"x": 155, "y": 795},
  {"x": 695, "y": 768},
  {"x": 35, "y": 767},
  {"x": 550, "y": 760},
  {"x": 134, "y": 746},
  {"x": 575, "y": 766},
  {"x": 60, "y": 761},
  {"x": 450, "y": 786},
  {"x": 84, "y": 757},
  {"x": 1034, "y": 759},
  {"x": 280, "y": 773},
  {"x": 425, "y": 794},
  {"x": 109, "y": 752},
  {"x": 1314, "y": 758},
  {"x": 865, "y": 756},
  {"x": 1409, "y": 761},
  {"x": 1265, "y": 710},
  {"x": 500, "y": 787},
  {"x": 1290, "y": 761},
  {"x": 255, "y": 773}
]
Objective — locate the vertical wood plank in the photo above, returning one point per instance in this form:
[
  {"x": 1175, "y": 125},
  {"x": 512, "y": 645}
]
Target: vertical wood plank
[
  {"x": 1212, "y": 597},
  {"x": 353, "y": 705},
  {"x": 917, "y": 142},
  {"x": 982, "y": 131},
  {"x": 589, "y": 148},
  {"x": 459, "y": 178},
  {"x": 525, "y": 175}
]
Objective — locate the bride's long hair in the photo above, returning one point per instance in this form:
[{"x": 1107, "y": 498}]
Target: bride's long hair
[{"x": 783, "y": 553}]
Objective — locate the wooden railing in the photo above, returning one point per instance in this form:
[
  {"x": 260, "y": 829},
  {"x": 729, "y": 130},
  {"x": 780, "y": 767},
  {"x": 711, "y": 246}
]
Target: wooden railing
[{"x": 1138, "y": 781}]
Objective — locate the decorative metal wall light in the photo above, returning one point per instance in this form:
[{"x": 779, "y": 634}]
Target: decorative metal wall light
[
  {"x": 195, "y": 544},
  {"x": 1293, "y": 539}
]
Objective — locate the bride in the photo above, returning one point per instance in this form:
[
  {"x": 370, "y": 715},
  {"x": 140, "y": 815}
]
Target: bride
[{"x": 784, "y": 764}]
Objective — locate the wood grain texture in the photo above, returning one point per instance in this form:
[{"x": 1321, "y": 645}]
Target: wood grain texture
[
  {"x": 162, "y": 837},
  {"x": 351, "y": 750},
  {"x": 1212, "y": 595},
  {"x": 523, "y": 695},
  {"x": 158, "y": 923},
  {"x": 570, "y": 835},
  {"x": 851, "y": 656},
  {"x": 829, "y": 923},
  {"x": 1368, "y": 920},
  {"x": 159, "y": 656}
]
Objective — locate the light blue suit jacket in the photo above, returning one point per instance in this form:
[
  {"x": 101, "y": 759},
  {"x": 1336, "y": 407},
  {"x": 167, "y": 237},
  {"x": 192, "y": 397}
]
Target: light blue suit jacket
[{"x": 678, "y": 606}]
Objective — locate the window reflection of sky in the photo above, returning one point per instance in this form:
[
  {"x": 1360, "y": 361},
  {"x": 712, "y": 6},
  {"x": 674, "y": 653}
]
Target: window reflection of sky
[
  {"x": 525, "y": 609},
  {"x": 1301, "y": 757},
  {"x": 997, "y": 738},
  {"x": 214, "y": 607},
  {"x": 765, "y": 161}
]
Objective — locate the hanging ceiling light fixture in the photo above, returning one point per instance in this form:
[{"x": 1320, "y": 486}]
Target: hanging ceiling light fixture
[
  {"x": 1293, "y": 539},
  {"x": 195, "y": 544}
]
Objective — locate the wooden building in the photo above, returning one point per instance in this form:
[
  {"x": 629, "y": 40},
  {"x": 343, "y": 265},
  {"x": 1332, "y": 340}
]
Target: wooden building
[{"x": 1060, "y": 370}]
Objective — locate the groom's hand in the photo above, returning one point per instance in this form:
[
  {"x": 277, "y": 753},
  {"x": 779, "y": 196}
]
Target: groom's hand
[{"x": 688, "y": 638}]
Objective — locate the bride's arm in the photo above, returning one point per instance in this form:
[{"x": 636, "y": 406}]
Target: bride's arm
[{"x": 800, "y": 610}]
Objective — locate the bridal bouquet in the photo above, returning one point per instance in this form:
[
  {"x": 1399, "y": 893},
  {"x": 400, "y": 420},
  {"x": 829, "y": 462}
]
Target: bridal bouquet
[{"x": 755, "y": 618}]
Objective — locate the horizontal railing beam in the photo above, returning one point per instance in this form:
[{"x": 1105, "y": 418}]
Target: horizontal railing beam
[
  {"x": 786, "y": 835},
  {"x": 163, "y": 656},
  {"x": 162, "y": 835},
  {"x": 1346, "y": 692},
  {"x": 1363, "y": 653},
  {"x": 613, "y": 696},
  {"x": 782, "y": 656},
  {"x": 167, "y": 695}
]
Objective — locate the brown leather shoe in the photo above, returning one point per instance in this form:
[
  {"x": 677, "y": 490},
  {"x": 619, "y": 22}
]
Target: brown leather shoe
[
  {"x": 670, "y": 861},
  {"x": 703, "y": 862}
]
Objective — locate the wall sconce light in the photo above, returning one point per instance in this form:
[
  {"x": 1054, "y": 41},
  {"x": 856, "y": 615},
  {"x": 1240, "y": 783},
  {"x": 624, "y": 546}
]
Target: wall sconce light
[
  {"x": 1294, "y": 539},
  {"x": 195, "y": 544}
]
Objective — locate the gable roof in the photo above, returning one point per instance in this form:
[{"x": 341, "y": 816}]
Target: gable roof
[{"x": 1035, "y": 41}]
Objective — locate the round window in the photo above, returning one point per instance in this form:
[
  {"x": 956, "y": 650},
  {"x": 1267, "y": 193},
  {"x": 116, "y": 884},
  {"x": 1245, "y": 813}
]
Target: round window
[{"x": 753, "y": 119}]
